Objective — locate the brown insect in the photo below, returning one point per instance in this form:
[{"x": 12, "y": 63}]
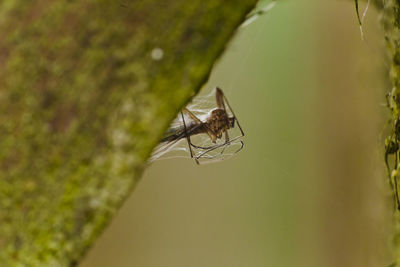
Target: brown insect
[{"x": 216, "y": 126}]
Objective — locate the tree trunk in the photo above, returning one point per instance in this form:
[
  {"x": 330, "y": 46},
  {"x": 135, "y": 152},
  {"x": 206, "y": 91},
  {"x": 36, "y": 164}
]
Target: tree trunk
[{"x": 87, "y": 89}]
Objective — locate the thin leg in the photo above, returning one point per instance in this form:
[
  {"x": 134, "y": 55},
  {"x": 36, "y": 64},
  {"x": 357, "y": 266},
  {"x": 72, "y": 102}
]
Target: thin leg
[
  {"x": 187, "y": 135},
  {"x": 191, "y": 115},
  {"x": 226, "y": 137},
  {"x": 220, "y": 95},
  {"x": 218, "y": 146},
  {"x": 197, "y": 120}
]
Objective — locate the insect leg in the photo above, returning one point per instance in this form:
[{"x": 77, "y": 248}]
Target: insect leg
[
  {"x": 226, "y": 137},
  {"x": 187, "y": 135},
  {"x": 220, "y": 94},
  {"x": 209, "y": 132}
]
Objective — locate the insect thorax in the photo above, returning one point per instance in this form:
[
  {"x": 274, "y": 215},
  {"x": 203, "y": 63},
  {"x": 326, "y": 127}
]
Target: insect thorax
[{"x": 219, "y": 121}]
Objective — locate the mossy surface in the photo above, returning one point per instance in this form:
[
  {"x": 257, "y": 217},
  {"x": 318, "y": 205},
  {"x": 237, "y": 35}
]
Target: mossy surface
[
  {"x": 391, "y": 24},
  {"x": 82, "y": 104}
]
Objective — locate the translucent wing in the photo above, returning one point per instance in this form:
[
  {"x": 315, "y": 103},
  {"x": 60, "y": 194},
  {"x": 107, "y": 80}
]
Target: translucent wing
[{"x": 174, "y": 144}]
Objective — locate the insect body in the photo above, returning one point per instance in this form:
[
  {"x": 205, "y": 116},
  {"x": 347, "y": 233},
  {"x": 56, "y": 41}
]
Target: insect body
[{"x": 215, "y": 125}]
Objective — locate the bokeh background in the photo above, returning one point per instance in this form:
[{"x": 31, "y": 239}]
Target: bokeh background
[{"x": 309, "y": 188}]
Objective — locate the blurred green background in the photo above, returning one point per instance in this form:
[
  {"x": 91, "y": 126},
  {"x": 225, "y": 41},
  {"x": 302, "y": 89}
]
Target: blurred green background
[{"x": 309, "y": 187}]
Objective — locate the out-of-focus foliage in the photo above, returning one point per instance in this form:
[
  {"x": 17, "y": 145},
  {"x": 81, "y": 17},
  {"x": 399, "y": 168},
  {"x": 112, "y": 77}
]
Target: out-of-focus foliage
[{"x": 86, "y": 90}]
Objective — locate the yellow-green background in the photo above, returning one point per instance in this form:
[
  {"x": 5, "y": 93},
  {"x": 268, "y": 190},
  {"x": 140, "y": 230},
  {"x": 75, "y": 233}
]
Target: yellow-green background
[{"x": 309, "y": 187}]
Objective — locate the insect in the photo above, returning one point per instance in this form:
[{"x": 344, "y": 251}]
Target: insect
[{"x": 206, "y": 138}]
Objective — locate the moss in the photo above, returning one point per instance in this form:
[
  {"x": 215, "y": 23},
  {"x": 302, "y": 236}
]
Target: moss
[
  {"x": 82, "y": 104},
  {"x": 390, "y": 21}
]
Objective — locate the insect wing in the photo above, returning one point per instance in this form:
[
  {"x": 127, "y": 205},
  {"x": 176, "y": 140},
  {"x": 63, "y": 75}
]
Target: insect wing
[
  {"x": 175, "y": 144},
  {"x": 168, "y": 150}
]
